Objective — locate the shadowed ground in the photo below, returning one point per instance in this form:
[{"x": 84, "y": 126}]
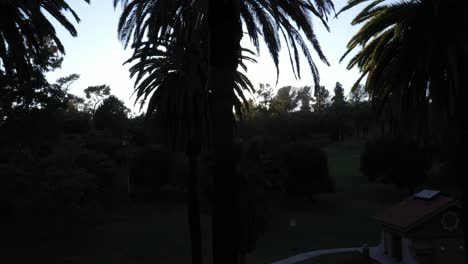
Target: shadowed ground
[{"x": 157, "y": 232}]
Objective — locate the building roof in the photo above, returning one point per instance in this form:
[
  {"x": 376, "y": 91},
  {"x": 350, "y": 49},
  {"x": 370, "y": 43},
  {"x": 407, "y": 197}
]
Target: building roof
[
  {"x": 426, "y": 194},
  {"x": 414, "y": 211}
]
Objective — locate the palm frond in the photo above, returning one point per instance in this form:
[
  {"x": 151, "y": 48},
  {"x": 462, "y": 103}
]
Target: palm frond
[{"x": 25, "y": 28}]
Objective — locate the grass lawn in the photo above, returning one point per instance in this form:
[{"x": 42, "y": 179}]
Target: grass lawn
[
  {"x": 141, "y": 234},
  {"x": 158, "y": 233},
  {"x": 342, "y": 258},
  {"x": 342, "y": 219}
]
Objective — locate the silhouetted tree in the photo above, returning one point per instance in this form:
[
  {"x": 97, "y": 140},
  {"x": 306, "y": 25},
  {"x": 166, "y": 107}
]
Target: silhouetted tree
[
  {"x": 96, "y": 95},
  {"x": 358, "y": 94},
  {"x": 321, "y": 95},
  {"x": 285, "y": 100},
  {"x": 413, "y": 62},
  {"x": 264, "y": 96},
  {"x": 338, "y": 99},
  {"x": 363, "y": 118},
  {"x": 20, "y": 92},
  {"x": 338, "y": 113},
  {"x": 395, "y": 161},
  {"x": 224, "y": 31},
  {"x": 27, "y": 33},
  {"x": 307, "y": 172},
  {"x": 177, "y": 94},
  {"x": 304, "y": 95},
  {"x": 111, "y": 116}
]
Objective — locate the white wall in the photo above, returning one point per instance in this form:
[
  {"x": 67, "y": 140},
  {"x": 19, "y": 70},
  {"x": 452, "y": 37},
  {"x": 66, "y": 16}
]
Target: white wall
[{"x": 409, "y": 256}]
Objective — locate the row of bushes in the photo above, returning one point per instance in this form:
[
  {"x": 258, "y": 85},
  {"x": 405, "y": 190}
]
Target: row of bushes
[
  {"x": 299, "y": 170},
  {"x": 79, "y": 172},
  {"x": 409, "y": 165},
  {"x": 60, "y": 180}
]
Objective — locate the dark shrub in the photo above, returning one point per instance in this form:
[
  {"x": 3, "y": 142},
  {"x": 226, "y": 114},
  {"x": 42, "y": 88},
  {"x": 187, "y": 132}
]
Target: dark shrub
[
  {"x": 42, "y": 187},
  {"x": 307, "y": 172},
  {"x": 150, "y": 168},
  {"x": 255, "y": 187},
  {"x": 394, "y": 161}
]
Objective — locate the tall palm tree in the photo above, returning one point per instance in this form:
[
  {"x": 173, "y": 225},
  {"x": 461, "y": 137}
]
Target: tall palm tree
[
  {"x": 413, "y": 55},
  {"x": 26, "y": 29},
  {"x": 270, "y": 20},
  {"x": 171, "y": 77}
]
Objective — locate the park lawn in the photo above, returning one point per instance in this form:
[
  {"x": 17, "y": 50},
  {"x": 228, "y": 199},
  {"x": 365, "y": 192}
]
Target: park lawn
[
  {"x": 341, "y": 219},
  {"x": 158, "y": 232},
  {"x": 342, "y": 258},
  {"x": 140, "y": 234}
]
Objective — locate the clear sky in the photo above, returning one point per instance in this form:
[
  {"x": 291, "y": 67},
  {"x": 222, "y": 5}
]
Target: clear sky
[{"x": 97, "y": 55}]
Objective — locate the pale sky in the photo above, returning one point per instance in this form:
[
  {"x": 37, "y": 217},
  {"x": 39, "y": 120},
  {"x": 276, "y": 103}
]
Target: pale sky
[{"x": 97, "y": 55}]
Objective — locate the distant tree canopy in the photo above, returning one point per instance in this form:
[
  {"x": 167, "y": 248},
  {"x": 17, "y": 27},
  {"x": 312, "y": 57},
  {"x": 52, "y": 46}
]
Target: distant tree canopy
[
  {"x": 285, "y": 100},
  {"x": 289, "y": 99},
  {"x": 111, "y": 116},
  {"x": 96, "y": 95},
  {"x": 339, "y": 114},
  {"x": 56, "y": 158},
  {"x": 358, "y": 94},
  {"x": 321, "y": 95},
  {"x": 338, "y": 98},
  {"x": 294, "y": 113},
  {"x": 19, "y": 93}
]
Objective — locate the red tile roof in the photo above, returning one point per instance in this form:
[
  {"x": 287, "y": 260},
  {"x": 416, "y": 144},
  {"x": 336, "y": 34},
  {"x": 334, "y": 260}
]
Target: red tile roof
[{"x": 413, "y": 211}]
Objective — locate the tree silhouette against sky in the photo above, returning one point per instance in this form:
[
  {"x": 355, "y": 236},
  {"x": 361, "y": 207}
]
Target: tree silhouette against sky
[
  {"x": 413, "y": 57},
  {"x": 155, "y": 21}
]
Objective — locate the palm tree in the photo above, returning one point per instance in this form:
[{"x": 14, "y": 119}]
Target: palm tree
[
  {"x": 413, "y": 55},
  {"x": 270, "y": 20},
  {"x": 171, "y": 77},
  {"x": 408, "y": 56},
  {"x": 26, "y": 29}
]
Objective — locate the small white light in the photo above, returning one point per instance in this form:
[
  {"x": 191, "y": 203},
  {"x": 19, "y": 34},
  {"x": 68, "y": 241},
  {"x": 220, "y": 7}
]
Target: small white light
[{"x": 442, "y": 248}]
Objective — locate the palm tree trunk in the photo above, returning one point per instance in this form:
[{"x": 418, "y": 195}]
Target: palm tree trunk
[
  {"x": 193, "y": 151},
  {"x": 224, "y": 47}
]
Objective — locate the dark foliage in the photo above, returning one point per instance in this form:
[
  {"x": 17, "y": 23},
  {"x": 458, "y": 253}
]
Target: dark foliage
[
  {"x": 395, "y": 161},
  {"x": 255, "y": 188},
  {"x": 45, "y": 183},
  {"x": 111, "y": 116},
  {"x": 150, "y": 168},
  {"x": 307, "y": 172}
]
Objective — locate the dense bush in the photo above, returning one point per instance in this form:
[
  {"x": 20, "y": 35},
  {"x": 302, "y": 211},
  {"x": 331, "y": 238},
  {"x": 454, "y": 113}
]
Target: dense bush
[
  {"x": 47, "y": 185},
  {"x": 395, "y": 161},
  {"x": 307, "y": 172},
  {"x": 150, "y": 168},
  {"x": 62, "y": 169},
  {"x": 256, "y": 185}
]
